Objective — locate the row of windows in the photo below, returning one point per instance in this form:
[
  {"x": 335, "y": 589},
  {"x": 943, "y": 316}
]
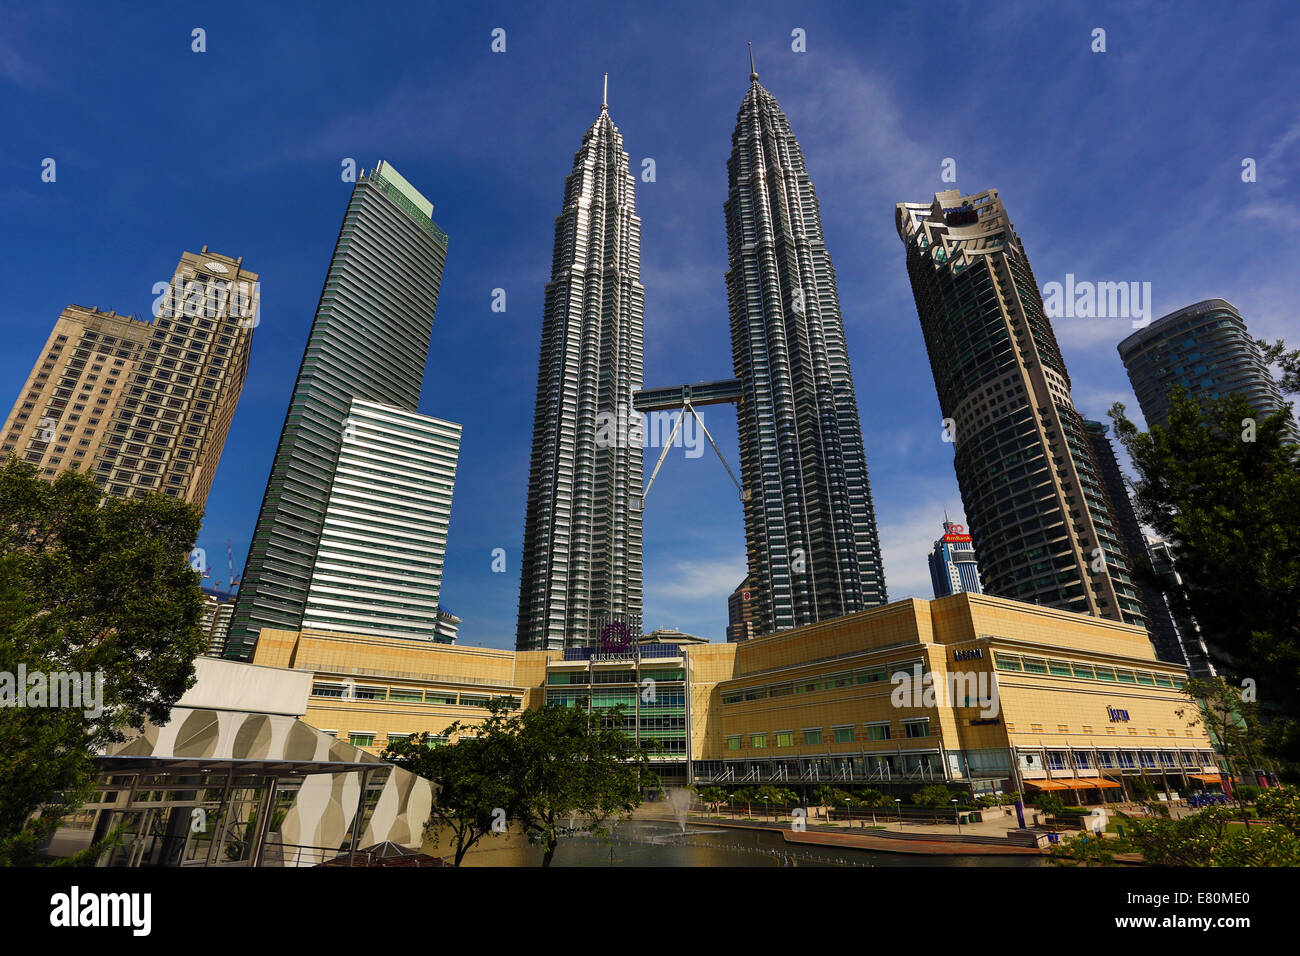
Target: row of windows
[
  {"x": 1074, "y": 669},
  {"x": 870, "y": 675},
  {"x": 408, "y": 695},
  {"x": 816, "y": 736}
]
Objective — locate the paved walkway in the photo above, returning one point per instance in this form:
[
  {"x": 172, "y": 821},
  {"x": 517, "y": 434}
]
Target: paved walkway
[{"x": 867, "y": 839}]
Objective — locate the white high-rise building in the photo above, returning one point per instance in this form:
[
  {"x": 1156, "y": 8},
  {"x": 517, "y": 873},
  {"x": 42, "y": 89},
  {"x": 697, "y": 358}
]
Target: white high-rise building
[{"x": 378, "y": 566}]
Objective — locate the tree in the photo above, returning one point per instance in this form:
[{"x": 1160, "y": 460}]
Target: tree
[
  {"x": 1276, "y": 353},
  {"x": 1051, "y": 804},
  {"x": 933, "y": 796},
  {"x": 1213, "y": 838},
  {"x": 471, "y": 782},
  {"x": 1231, "y": 722},
  {"x": 93, "y": 586},
  {"x": 560, "y": 762},
  {"x": 874, "y": 799},
  {"x": 1220, "y": 483},
  {"x": 713, "y": 796}
]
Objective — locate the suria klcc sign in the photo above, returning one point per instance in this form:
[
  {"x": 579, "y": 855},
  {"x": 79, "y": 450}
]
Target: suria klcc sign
[{"x": 616, "y": 643}]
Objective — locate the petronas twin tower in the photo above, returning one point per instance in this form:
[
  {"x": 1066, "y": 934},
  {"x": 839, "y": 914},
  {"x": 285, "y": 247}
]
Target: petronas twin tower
[{"x": 810, "y": 527}]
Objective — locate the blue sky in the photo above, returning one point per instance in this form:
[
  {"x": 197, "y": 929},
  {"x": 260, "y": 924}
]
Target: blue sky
[{"x": 1115, "y": 166}]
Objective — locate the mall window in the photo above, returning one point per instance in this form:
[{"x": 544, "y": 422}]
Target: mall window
[
  {"x": 1059, "y": 668},
  {"x": 1062, "y": 728},
  {"x": 1035, "y": 728},
  {"x": 812, "y": 737},
  {"x": 1163, "y": 681},
  {"x": 432, "y": 742},
  {"x": 732, "y": 698},
  {"x": 439, "y": 697},
  {"x": 1126, "y": 677},
  {"x": 473, "y": 700},
  {"x": 807, "y": 687},
  {"x": 758, "y": 741},
  {"x": 872, "y": 676},
  {"x": 361, "y": 740},
  {"x": 782, "y": 690},
  {"x": 1083, "y": 670},
  {"x": 395, "y": 739},
  {"x": 917, "y": 728},
  {"x": 843, "y": 735},
  {"x": 785, "y": 738},
  {"x": 733, "y": 743},
  {"x": 1006, "y": 662},
  {"x": 405, "y": 696},
  {"x": 1034, "y": 665},
  {"x": 878, "y": 731},
  {"x": 328, "y": 690},
  {"x": 755, "y": 693},
  {"x": 1146, "y": 679},
  {"x": 1105, "y": 673},
  {"x": 371, "y": 693}
]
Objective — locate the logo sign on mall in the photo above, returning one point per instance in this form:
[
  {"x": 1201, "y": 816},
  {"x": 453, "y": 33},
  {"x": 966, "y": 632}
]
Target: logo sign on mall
[
  {"x": 957, "y": 534},
  {"x": 968, "y": 655},
  {"x": 1116, "y": 715}
]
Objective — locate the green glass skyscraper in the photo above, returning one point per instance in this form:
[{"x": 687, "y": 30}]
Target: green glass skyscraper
[{"x": 369, "y": 341}]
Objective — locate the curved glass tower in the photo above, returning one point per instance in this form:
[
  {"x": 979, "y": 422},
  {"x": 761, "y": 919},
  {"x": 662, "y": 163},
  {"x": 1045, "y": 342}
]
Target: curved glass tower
[
  {"x": 810, "y": 524},
  {"x": 1206, "y": 349},
  {"x": 581, "y": 563}
]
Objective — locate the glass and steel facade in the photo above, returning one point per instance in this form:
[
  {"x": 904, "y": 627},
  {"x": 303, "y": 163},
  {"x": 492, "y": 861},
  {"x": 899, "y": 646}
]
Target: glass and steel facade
[
  {"x": 581, "y": 563},
  {"x": 810, "y": 525},
  {"x": 369, "y": 341},
  {"x": 953, "y": 567},
  {"x": 1206, "y": 349},
  {"x": 1029, "y": 479},
  {"x": 378, "y": 567}
]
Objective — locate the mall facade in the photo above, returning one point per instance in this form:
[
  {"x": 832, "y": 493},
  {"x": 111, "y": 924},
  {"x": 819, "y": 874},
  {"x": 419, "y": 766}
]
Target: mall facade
[{"x": 976, "y": 692}]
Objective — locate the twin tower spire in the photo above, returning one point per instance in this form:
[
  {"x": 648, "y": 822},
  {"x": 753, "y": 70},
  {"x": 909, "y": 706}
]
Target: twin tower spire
[{"x": 810, "y": 528}]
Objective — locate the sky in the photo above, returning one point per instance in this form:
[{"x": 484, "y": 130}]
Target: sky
[{"x": 1117, "y": 165}]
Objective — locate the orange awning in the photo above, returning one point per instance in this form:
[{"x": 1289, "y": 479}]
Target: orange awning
[
  {"x": 1045, "y": 784},
  {"x": 1207, "y": 777},
  {"x": 1105, "y": 783}
]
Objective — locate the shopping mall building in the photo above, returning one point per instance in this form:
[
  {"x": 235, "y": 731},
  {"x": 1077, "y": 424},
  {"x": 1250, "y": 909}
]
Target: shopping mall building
[{"x": 972, "y": 691}]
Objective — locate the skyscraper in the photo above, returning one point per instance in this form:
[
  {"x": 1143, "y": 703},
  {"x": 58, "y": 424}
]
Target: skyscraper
[
  {"x": 740, "y": 613},
  {"x": 1161, "y": 626},
  {"x": 143, "y": 406},
  {"x": 378, "y": 566},
  {"x": 953, "y": 568},
  {"x": 810, "y": 524},
  {"x": 1034, "y": 498},
  {"x": 1206, "y": 349},
  {"x": 369, "y": 341},
  {"x": 581, "y": 563}
]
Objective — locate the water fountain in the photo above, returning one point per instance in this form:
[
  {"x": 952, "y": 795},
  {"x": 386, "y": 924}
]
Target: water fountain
[{"x": 680, "y": 800}]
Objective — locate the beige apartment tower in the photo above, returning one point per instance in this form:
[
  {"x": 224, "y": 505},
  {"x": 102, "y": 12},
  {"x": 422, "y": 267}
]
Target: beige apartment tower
[{"x": 143, "y": 405}]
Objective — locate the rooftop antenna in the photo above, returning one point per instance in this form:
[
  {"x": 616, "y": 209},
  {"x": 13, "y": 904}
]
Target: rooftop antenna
[
  {"x": 753, "y": 73},
  {"x": 604, "y": 96}
]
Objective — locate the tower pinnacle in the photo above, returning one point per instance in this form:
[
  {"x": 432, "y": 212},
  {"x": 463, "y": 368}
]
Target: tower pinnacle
[
  {"x": 604, "y": 96},
  {"x": 753, "y": 73}
]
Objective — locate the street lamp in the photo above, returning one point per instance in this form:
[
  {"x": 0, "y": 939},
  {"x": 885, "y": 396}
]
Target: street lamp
[
  {"x": 899, "y": 804},
  {"x": 956, "y": 814}
]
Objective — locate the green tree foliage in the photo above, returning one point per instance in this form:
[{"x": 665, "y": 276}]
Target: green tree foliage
[
  {"x": 88, "y": 585},
  {"x": 541, "y": 770},
  {"x": 470, "y": 777},
  {"x": 561, "y": 762},
  {"x": 1222, "y": 486},
  {"x": 933, "y": 796}
]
